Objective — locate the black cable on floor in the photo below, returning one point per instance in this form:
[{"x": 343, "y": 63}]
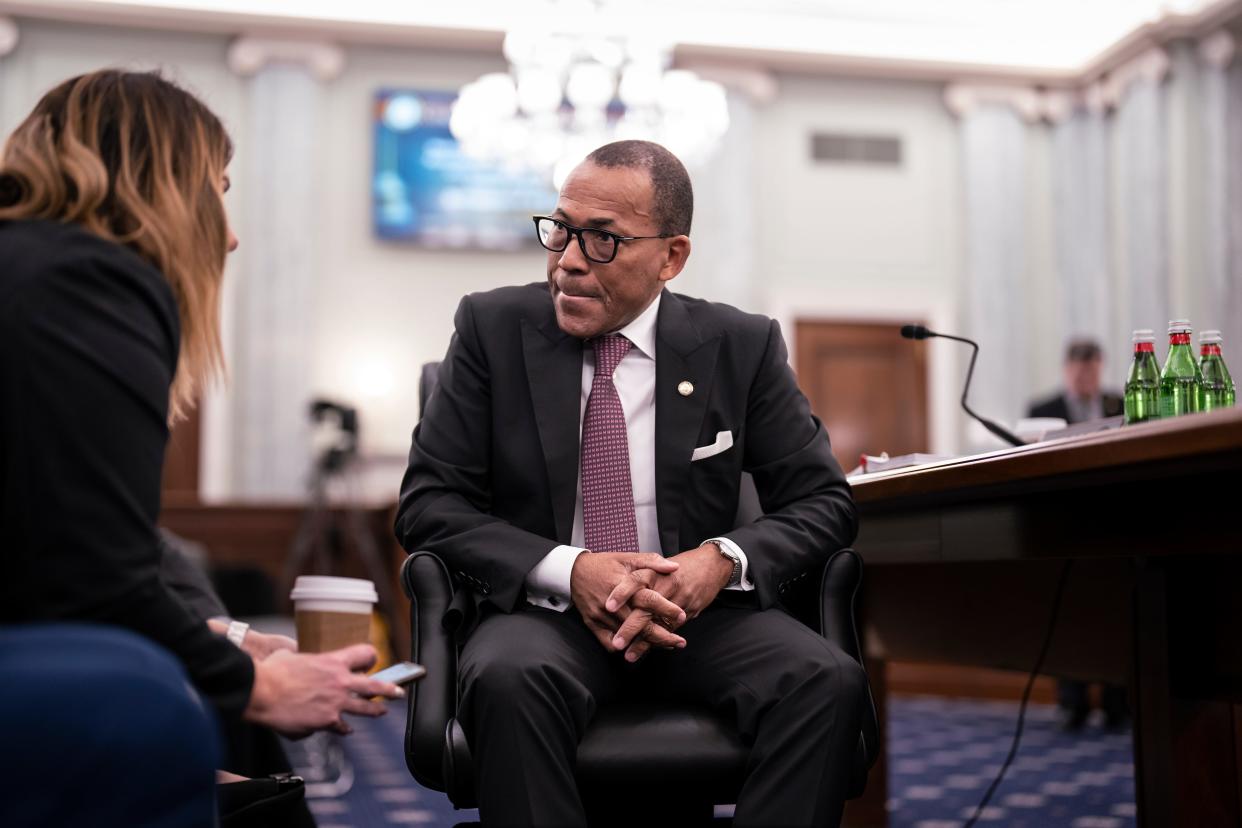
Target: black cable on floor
[{"x": 1026, "y": 694}]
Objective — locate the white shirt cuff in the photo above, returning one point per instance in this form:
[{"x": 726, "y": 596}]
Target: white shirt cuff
[
  {"x": 745, "y": 585},
  {"x": 548, "y": 582}
]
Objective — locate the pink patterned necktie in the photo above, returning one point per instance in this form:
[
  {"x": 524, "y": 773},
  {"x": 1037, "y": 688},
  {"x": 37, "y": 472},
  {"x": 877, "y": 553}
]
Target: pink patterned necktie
[{"x": 607, "y": 494}]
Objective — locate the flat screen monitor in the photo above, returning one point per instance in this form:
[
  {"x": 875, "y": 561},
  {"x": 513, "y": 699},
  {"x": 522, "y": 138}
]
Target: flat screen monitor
[{"x": 427, "y": 191}]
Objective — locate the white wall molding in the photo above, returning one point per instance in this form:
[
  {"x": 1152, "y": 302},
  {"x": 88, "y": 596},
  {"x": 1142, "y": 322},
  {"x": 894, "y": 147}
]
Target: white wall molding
[
  {"x": 1152, "y": 66},
  {"x": 807, "y": 45},
  {"x": 1056, "y": 105},
  {"x": 1218, "y": 49},
  {"x": 9, "y": 35},
  {"x": 1032, "y": 105},
  {"x": 1095, "y": 98},
  {"x": 964, "y": 98},
  {"x": 247, "y": 56}
]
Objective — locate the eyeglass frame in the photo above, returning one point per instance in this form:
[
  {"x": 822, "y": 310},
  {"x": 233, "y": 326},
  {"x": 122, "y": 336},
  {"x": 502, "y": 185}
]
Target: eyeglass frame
[{"x": 617, "y": 238}]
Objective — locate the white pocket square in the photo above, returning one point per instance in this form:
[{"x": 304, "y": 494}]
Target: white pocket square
[{"x": 724, "y": 442}]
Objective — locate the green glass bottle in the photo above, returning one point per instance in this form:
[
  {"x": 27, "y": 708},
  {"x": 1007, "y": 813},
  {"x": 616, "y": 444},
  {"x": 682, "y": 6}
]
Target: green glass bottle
[
  {"x": 1143, "y": 382},
  {"x": 1218, "y": 390},
  {"x": 1180, "y": 380}
]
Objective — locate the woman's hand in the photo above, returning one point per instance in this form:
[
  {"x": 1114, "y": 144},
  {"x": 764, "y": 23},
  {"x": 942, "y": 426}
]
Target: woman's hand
[{"x": 299, "y": 693}]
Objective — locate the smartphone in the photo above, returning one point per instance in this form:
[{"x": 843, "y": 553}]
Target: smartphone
[{"x": 402, "y": 672}]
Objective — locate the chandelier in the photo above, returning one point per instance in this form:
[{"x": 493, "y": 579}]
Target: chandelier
[{"x": 574, "y": 83}]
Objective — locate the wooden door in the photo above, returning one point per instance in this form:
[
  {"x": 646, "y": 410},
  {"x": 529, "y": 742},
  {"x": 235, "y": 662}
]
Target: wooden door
[{"x": 867, "y": 384}]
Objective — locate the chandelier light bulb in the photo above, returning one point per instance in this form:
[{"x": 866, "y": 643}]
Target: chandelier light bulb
[
  {"x": 712, "y": 105},
  {"x": 677, "y": 90},
  {"x": 590, "y": 86},
  {"x": 647, "y": 51},
  {"x": 554, "y": 53},
  {"x": 640, "y": 85},
  {"x": 514, "y": 136},
  {"x": 497, "y": 95},
  {"x": 538, "y": 91},
  {"x": 578, "y": 58},
  {"x": 605, "y": 51},
  {"x": 521, "y": 46},
  {"x": 547, "y": 145}
]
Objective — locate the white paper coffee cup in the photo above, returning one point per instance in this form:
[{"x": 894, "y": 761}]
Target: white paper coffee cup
[{"x": 332, "y": 612}]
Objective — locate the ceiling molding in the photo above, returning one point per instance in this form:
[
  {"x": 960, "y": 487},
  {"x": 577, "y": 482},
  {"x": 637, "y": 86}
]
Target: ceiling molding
[
  {"x": 1219, "y": 48},
  {"x": 1171, "y": 26},
  {"x": 257, "y": 25},
  {"x": 248, "y": 56}
]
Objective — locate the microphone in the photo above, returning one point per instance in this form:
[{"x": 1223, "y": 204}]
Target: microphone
[{"x": 920, "y": 332}]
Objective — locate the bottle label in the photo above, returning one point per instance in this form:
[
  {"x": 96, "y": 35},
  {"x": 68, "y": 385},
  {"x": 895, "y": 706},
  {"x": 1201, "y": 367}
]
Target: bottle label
[
  {"x": 1210, "y": 350},
  {"x": 1144, "y": 347},
  {"x": 1179, "y": 338}
]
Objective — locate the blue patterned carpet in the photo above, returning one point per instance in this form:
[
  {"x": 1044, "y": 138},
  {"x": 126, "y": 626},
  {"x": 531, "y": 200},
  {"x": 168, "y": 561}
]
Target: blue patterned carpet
[{"x": 943, "y": 754}]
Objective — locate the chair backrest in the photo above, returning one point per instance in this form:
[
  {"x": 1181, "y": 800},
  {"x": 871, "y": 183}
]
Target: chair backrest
[{"x": 428, "y": 379}]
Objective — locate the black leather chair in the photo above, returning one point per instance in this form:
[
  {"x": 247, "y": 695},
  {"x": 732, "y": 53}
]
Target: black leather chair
[{"x": 678, "y": 747}]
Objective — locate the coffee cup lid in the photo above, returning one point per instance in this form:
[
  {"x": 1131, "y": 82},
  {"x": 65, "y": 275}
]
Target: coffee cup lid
[{"x": 328, "y": 588}]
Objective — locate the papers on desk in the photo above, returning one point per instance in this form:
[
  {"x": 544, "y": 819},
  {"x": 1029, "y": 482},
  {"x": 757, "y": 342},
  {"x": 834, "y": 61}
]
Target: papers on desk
[{"x": 868, "y": 463}]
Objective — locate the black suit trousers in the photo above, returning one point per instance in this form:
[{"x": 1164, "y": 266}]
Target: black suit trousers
[{"x": 533, "y": 679}]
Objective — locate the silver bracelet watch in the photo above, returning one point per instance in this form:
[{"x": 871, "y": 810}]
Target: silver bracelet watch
[
  {"x": 726, "y": 552},
  {"x": 237, "y": 632}
]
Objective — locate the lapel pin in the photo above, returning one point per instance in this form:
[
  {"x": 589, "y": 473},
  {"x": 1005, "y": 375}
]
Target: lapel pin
[{"x": 685, "y": 388}]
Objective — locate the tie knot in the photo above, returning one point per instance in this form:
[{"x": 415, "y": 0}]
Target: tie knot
[{"x": 608, "y": 352}]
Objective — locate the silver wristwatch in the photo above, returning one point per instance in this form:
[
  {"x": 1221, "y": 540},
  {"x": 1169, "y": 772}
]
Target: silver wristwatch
[{"x": 726, "y": 552}]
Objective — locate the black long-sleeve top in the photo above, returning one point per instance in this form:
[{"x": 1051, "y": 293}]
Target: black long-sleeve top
[{"x": 89, "y": 338}]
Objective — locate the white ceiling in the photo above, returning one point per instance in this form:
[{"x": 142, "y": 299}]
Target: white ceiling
[{"x": 1042, "y": 36}]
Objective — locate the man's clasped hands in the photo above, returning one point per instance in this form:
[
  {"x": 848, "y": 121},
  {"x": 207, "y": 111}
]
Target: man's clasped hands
[{"x": 636, "y": 601}]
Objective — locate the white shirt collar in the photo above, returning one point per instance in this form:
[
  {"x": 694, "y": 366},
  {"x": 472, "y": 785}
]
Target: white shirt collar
[{"x": 642, "y": 331}]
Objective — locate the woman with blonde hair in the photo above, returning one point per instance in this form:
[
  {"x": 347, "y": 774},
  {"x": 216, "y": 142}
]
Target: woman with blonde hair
[{"x": 113, "y": 237}]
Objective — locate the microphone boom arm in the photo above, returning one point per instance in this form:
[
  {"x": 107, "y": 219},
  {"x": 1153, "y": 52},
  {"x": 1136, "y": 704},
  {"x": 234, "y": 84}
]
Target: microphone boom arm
[{"x": 1003, "y": 433}]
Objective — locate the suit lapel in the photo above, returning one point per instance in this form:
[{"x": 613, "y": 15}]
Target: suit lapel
[
  {"x": 554, "y": 371},
  {"x": 681, "y": 356}
]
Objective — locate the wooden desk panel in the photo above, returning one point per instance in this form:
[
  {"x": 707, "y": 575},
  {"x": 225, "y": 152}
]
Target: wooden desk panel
[{"x": 963, "y": 557}]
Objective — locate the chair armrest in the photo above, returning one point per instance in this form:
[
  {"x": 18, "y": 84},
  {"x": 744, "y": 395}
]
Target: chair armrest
[
  {"x": 839, "y": 624},
  {"x": 838, "y": 589},
  {"x": 432, "y": 701}
]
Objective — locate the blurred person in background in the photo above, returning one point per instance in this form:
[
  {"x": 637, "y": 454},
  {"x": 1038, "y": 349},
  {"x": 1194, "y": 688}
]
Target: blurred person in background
[
  {"x": 113, "y": 237},
  {"x": 1080, "y": 401}
]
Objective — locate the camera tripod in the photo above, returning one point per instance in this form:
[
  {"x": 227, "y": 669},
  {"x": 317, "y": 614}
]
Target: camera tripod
[{"x": 326, "y": 535}]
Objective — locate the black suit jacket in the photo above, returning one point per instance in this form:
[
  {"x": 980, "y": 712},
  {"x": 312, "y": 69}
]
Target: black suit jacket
[
  {"x": 89, "y": 339},
  {"x": 1058, "y": 407},
  {"x": 493, "y": 468}
]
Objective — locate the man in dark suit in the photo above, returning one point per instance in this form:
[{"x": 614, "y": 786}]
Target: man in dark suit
[
  {"x": 1080, "y": 401},
  {"x": 578, "y": 470}
]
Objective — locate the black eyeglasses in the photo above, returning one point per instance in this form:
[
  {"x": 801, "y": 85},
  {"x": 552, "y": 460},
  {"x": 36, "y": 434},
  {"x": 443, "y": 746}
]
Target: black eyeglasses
[{"x": 597, "y": 245}]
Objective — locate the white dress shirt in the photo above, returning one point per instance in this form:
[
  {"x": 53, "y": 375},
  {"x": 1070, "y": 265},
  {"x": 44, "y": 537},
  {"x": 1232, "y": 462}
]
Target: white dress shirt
[
  {"x": 547, "y": 584},
  {"x": 1084, "y": 409}
]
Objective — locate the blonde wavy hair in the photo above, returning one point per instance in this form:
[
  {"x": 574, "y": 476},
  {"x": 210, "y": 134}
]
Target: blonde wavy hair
[{"x": 135, "y": 159}]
